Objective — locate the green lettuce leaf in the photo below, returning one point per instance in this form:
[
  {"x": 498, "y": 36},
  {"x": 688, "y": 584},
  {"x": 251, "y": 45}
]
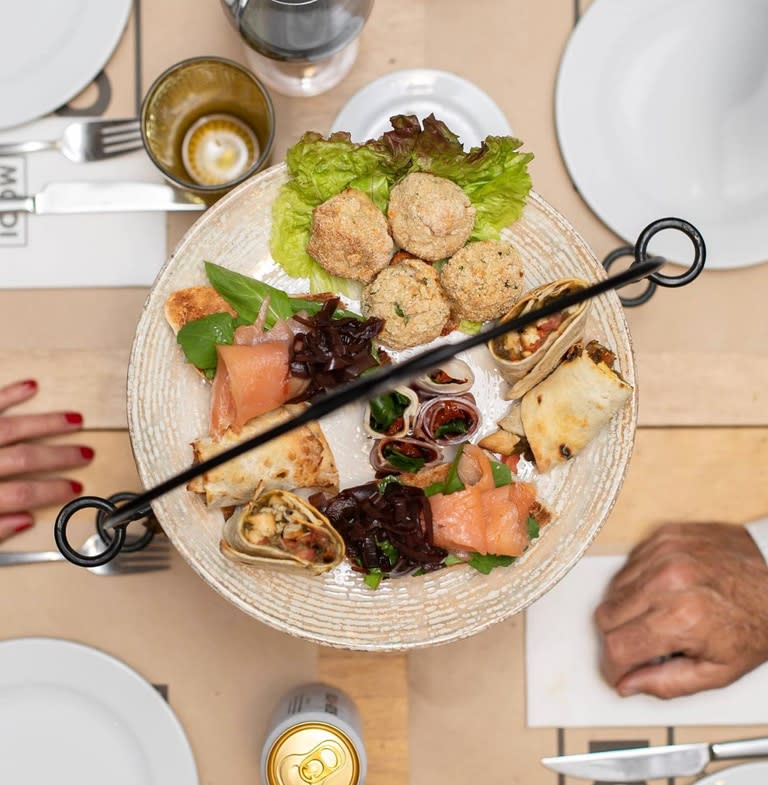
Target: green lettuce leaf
[{"x": 494, "y": 177}]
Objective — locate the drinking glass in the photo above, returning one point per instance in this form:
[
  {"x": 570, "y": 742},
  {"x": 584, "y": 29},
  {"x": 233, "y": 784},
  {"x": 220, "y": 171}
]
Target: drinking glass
[
  {"x": 299, "y": 47},
  {"x": 208, "y": 124}
]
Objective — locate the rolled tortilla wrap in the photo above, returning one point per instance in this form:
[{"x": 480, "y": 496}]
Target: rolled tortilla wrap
[
  {"x": 563, "y": 413},
  {"x": 300, "y": 458},
  {"x": 280, "y": 529},
  {"x": 526, "y": 357}
]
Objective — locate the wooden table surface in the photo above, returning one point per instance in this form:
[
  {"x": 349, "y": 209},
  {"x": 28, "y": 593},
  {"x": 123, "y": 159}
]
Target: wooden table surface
[{"x": 701, "y": 448}]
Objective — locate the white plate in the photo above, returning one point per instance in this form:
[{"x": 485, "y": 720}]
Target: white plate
[
  {"x": 72, "y": 715},
  {"x": 169, "y": 405},
  {"x": 662, "y": 109},
  {"x": 51, "y": 50},
  {"x": 755, "y": 773},
  {"x": 469, "y": 112}
]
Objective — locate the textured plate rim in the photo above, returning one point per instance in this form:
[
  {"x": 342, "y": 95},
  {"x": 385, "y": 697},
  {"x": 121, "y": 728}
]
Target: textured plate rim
[{"x": 343, "y": 640}]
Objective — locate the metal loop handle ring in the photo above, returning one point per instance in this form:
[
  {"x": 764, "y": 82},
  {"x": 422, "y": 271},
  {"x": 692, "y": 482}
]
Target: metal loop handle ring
[
  {"x": 131, "y": 544},
  {"x": 640, "y": 253},
  {"x": 60, "y": 532}
]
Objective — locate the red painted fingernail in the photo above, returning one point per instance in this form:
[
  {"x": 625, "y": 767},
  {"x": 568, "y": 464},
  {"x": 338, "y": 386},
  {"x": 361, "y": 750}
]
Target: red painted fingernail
[
  {"x": 22, "y": 527},
  {"x": 30, "y": 383},
  {"x": 77, "y": 487},
  {"x": 87, "y": 453},
  {"x": 74, "y": 418}
]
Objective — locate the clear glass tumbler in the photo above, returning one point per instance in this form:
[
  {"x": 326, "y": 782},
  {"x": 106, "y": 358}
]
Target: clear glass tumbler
[{"x": 299, "y": 47}]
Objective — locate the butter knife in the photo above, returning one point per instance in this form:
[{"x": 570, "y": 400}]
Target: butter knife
[
  {"x": 102, "y": 197},
  {"x": 647, "y": 763}
]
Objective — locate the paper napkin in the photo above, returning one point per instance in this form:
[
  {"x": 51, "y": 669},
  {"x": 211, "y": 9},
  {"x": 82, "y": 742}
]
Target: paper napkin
[
  {"x": 564, "y": 687},
  {"x": 107, "y": 249}
]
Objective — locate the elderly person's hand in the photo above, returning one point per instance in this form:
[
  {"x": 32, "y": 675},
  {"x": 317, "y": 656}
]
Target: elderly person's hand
[
  {"x": 23, "y": 459},
  {"x": 687, "y": 612}
]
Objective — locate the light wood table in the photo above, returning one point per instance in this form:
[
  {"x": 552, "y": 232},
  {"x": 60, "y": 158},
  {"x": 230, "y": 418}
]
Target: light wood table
[{"x": 701, "y": 451}]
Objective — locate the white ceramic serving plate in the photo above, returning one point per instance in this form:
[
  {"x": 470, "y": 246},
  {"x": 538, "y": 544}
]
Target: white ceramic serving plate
[
  {"x": 51, "y": 50},
  {"x": 661, "y": 110},
  {"x": 168, "y": 408},
  {"x": 72, "y": 715},
  {"x": 468, "y": 111}
]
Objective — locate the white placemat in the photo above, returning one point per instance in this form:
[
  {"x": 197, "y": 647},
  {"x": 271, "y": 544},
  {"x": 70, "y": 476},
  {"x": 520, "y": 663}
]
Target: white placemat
[
  {"x": 565, "y": 689},
  {"x": 117, "y": 249}
]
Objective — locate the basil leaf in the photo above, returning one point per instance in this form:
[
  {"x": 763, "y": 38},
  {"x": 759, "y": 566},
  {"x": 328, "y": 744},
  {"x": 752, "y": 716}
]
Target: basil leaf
[
  {"x": 452, "y": 558},
  {"x": 451, "y": 427},
  {"x": 385, "y": 481},
  {"x": 502, "y": 474},
  {"x": 533, "y": 528},
  {"x": 485, "y": 562},
  {"x": 405, "y": 463},
  {"x": 198, "y": 339},
  {"x": 451, "y": 483},
  {"x": 373, "y": 578},
  {"x": 389, "y": 551},
  {"x": 246, "y": 295},
  {"x": 385, "y": 409}
]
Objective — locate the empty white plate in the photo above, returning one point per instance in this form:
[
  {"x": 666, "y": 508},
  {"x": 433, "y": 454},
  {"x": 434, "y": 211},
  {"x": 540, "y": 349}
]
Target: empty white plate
[
  {"x": 755, "y": 773},
  {"x": 72, "y": 715},
  {"x": 469, "y": 112},
  {"x": 662, "y": 110},
  {"x": 51, "y": 50}
]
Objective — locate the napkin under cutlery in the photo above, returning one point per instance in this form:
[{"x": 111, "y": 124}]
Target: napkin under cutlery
[
  {"x": 564, "y": 687},
  {"x": 117, "y": 249}
]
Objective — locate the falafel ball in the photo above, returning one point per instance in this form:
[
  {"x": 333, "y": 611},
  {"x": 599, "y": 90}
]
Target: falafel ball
[
  {"x": 409, "y": 298},
  {"x": 483, "y": 280},
  {"x": 350, "y": 237},
  {"x": 429, "y": 216}
]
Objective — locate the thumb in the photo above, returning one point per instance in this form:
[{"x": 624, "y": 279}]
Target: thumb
[{"x": 675, "y": 677}]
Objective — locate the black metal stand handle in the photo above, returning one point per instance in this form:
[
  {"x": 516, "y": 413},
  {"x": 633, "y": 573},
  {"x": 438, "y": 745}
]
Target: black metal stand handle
[
  {"x": 115, "y": 539},
  {"x": 640, "y": 253}
]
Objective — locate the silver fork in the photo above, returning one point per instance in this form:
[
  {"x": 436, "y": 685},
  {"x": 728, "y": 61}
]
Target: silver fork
[
  {"x": 87, "y": 140},
  {"x": 153, "y": 558}
]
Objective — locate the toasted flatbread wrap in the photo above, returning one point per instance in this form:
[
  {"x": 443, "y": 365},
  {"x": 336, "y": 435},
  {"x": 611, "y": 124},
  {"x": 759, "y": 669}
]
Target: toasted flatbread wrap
[
  {"x": 300, "y": 458},
  {"x": 526, "y": 357},
  {"x": 280, "y": 529},
  {"x": 563, "y": 413}
]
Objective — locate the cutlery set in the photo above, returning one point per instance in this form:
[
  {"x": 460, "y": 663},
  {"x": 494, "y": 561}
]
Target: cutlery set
[{"x": 95, "y": 140}]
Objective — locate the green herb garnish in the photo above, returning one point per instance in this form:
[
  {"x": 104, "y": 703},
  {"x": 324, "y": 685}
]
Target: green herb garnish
[
  {"x": 405, "y": 463},
  {"x": 385, "y": 409},
  {"x": 373, "y": 578},
  {"x": 450, "y": 428},
  {"x": 485, "y": 562},
  {"x": 533, "y": 528},
  {"x": 502, "y": 474},
  {"x": 452, "y": 482},
  {"x": 389, "y": 551}
]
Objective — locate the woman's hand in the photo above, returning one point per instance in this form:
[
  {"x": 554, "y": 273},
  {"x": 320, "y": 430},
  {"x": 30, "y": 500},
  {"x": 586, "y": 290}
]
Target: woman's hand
[
  {"x": 23, "y": 459},
  {"x": 687, "y": 612}
]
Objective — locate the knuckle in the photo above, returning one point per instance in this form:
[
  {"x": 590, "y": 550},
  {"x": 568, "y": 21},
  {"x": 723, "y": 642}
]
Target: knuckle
[
  {"x": 676, "y": 571},
  {"x": 20, "y": 459},
  {"x": 690, "y": 612},
  {"x": 17, "y": 496},
  {"x": 615, "y": 649}
]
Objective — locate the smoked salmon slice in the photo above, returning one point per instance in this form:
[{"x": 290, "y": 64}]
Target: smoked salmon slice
[
  {"x": 482, "y": 518},
  {"x": 250, "y": 380}
]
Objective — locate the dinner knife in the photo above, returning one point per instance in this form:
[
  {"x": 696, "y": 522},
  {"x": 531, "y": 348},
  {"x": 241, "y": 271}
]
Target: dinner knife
[
  {"x": 370, "y": 385},
  {"x": 102, "y": 197},
  {"x": 647, "y": 763}
]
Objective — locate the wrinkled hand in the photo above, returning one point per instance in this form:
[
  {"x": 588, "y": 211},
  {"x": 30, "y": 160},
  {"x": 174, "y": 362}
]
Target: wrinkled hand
[
  {"x": 22, "y": 459},
  {"x": 698, "y": 591}
]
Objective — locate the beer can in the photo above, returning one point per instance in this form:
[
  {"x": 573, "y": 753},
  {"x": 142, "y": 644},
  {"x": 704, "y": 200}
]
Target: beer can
[{"x": 314, "y": 738}]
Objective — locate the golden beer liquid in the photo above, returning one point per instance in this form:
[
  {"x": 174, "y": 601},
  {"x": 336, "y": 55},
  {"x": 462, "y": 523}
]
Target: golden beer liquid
[{"x": 313, "y": 753}]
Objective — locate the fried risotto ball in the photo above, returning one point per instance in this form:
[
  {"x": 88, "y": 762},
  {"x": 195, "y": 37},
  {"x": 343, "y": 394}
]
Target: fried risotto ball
[
  {"x": 483, "y": 280},
  {"x": 350, "y": 237},
  {"x": 409, "y": 298},
  {"x": 429, "y": 216}
]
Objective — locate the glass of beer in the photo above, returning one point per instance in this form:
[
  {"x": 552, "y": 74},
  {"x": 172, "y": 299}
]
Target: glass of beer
[
  {"x": 299, "y": 47},
  {"x": 208, "y": 124}
]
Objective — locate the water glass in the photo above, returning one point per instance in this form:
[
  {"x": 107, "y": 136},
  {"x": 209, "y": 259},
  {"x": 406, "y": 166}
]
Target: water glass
[{"x": 299, "y": 47}]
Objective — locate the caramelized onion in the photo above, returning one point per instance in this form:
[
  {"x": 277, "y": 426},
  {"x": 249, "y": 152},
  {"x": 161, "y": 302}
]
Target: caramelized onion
[
  {"x": 367, "y": 516},
  {"x": 331, "y": 351}
]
